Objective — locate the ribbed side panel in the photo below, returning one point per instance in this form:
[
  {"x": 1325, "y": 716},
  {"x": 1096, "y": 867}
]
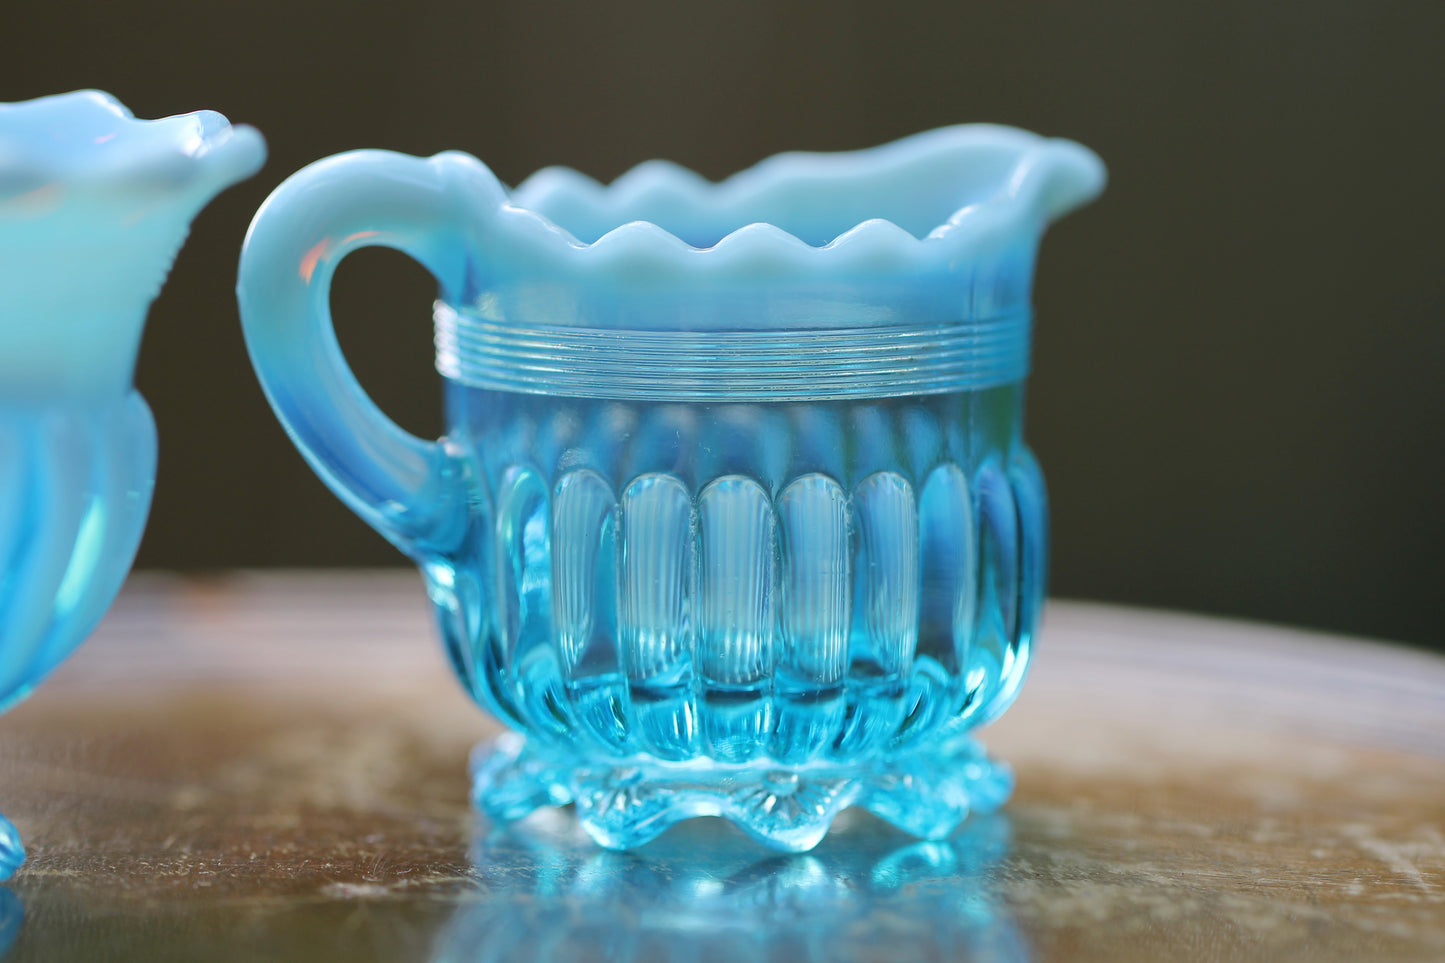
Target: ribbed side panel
[
  {"x": 947, "y": 592},
  {"x": 885, "y": 612},
  {"x": 121, "y": 480},
  {"x": 657, "y": 565},
  {"x": 738, "y": 546},
  {"x": 998, "y": 603},
  {"x": 531, "y": 674},
  {"x": 826, "y": 615},
  {"x": 1026, "y": 483},
  {"x": 816, "y": 596},
  {"x": 886, "y": 623},
  {"x": 55, "y": 469},
  {"x": 583, "y": 517},
  {"x": 584, "y": 604},
  {"x": 75, "y": 487}
]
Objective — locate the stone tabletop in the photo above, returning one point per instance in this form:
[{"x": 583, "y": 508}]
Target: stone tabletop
[{"x": 272, "y": 767}]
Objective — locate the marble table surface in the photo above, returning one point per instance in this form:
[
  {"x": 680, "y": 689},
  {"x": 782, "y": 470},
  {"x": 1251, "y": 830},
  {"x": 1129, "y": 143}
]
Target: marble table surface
[{"x": 272, "y": 767}]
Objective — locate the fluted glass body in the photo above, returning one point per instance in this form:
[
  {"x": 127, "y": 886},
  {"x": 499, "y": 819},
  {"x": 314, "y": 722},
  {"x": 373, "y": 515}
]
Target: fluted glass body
[
  {"x": 733, "y": 515},
  {"x": 75, "y": 488},
  {"x": 744, "y": 582}
]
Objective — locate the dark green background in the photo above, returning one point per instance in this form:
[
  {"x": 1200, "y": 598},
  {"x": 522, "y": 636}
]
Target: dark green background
[{"x": 1238, "y": 390}]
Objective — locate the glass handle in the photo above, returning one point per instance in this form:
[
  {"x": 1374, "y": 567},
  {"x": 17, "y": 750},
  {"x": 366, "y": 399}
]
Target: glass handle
[{"x": 410, "y": 490}]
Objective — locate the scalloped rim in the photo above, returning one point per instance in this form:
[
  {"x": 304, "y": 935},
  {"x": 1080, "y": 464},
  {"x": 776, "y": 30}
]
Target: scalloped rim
[
  {"x": 89, "y": 138},
  {"x": 1045, "y": 179}
]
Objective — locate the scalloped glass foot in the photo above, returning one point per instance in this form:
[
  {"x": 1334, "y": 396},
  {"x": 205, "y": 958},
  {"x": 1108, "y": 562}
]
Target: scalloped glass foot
[
  {"x": 12, "y": 852},
  {"x": 621, "y": 805}
]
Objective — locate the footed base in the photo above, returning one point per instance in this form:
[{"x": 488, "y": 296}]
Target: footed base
[{"x": 625, "y": 803}]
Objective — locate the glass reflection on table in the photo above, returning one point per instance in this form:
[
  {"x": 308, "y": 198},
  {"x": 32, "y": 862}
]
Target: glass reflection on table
[{"x": 703, "y": 891}]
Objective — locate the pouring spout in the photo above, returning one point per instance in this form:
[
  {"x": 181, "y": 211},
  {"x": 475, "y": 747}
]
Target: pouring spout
[
  {"x": 94, "y": 205},
  {"x": 1062, "y": 176}
]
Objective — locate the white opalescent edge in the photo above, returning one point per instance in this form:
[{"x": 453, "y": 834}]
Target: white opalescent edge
[{"x": 94, "y": 205}]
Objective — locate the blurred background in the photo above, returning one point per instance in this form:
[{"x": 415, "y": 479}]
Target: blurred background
[{"x": 1239, "y": 381}]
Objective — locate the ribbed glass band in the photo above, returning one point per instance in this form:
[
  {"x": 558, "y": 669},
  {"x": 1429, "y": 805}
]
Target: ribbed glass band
[{"x": 815, "y": 364}]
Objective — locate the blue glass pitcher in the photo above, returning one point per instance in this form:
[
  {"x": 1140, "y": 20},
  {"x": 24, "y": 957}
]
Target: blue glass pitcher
[
  {"x": 733, "y": 515},
  {"x": 94, "y": 205}
]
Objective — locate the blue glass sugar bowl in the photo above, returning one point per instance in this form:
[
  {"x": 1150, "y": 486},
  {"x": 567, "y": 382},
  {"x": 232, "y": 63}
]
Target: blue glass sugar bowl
[
  {"x": 734, "y": 515},
  {"x": 94, "y": 205}
]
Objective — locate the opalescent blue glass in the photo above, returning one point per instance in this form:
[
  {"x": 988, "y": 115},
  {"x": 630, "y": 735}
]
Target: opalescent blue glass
[
  {"x": 734, "y": 514},
  {"x": 94, "y": 205}
]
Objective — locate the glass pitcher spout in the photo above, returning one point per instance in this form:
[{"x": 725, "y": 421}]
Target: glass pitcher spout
[{"x": 94, "y": 206}]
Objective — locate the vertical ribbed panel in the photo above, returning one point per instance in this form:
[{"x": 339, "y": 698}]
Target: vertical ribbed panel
[
  {"x": 886, "y": 602},
  {"x": 885, "y": 611},
  {"x": 533, "y": 682},
  {"x": 657, "y": 547},
  {"x": 997, "y": 620},
  {"x": 57, "y": 464},
  {"x": 1026, "y": 483},
  {"x": 75, "y": 487},
  {"x": 735, "y": 611},
  {"x": 813, "y": 651},
  {"x": 584, "y": 602},
  {"x": 735, "y": 615},
  {"x": 657, "y": 514},
  {"x": 834, "y": 612},
  {"x": 582, "y": 511},
  {"x": 1031, "y": 500},
  {"x": 122, "y": 446},
  {"x": 524, "y": 571},
  {"x": 948, "y": 565},
  {"x": 947, "y": 580},
  {"x": 813, "y": 513}
]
